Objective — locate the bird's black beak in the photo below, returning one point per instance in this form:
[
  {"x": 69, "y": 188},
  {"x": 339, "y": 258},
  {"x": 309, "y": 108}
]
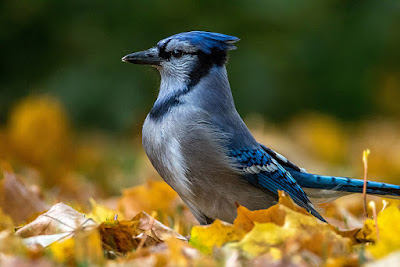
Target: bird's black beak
[{"x": 148, "y": 57}]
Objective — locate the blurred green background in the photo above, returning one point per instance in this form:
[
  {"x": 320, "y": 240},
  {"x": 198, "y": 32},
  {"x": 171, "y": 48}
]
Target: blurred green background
[{"x": 340, "y": 58}]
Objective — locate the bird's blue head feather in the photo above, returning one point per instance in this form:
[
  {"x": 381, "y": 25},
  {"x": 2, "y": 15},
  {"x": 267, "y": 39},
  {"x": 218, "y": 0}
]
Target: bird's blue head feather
[{"x": 204, "y": 41}]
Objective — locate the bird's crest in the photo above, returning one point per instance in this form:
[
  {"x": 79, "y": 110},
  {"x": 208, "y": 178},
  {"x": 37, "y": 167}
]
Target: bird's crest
[{"x": 204, "y": 41}]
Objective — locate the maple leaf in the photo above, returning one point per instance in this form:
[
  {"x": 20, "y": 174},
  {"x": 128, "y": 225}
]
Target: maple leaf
[{"x": 216, "y": 234}]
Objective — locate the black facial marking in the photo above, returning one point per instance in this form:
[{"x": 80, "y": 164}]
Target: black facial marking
[
  {"x": 161, "y": 108},
  {"x": 205, "y": 63},
  {"x": 201, "y": 69},
  {"x": 161, "y": 51}
]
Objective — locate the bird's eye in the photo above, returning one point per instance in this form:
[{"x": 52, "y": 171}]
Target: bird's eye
[{"x": 177, "y": 53}]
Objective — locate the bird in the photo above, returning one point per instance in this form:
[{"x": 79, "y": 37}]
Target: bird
[{"x": 199, "y": 144}]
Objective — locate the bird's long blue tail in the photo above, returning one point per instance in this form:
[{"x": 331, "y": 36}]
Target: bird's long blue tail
[{"x": 344, "y": 184}]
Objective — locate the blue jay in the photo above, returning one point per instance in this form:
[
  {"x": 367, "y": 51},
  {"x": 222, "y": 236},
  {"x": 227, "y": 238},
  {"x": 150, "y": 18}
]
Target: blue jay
[{"x": 199, "y": 144}]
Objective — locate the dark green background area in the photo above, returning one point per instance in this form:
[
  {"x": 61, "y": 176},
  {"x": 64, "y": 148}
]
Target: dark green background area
[{"x": 294, "y": 56}]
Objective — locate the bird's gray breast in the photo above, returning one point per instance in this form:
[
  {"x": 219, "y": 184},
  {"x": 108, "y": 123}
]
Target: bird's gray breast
[
  {"x": 162, "y": 142},
  {"x": 188, "y": 152}
]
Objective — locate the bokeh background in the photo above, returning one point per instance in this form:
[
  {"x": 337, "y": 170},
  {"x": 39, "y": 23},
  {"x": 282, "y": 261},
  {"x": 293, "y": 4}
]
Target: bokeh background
[{"x": 319, "y": 81}]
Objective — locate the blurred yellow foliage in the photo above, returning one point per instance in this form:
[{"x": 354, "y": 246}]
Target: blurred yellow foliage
[
  {"x": 5, "y": 221},
  {"x": 39, "y": 130},
  {"x": 38, "y": 138},
  {"x": 100, "y": 213},
  {"x": 322, "y": 135},
  {"x": 63, "y": 251}
]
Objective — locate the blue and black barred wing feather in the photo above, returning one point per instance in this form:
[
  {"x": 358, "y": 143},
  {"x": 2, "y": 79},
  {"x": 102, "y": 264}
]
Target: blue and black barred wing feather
[
  {"x": 345, "y": 184},
  {"x": 266, "y": 173},
  {"x": 332, "y": 183},
  {"x": 284, "y": 162}
]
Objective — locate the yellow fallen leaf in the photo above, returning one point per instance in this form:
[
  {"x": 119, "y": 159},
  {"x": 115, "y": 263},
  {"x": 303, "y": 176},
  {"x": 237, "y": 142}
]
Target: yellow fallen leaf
[
  {"x": 83, "y": 249},
  {"x": 63, "y": 251},
  {"x": 152, "y": 196},
  {"x": 389, "y": 232},
  {"x": 246, "y": 218},
  {"x": 262, "y": 237},
  {"x": 302, "y": 231},
  {"x": 287, "y": 201},
  {"x": 100, "y": 213},
  {"x": 180, "y": 253},
  {"x": 88, "y": 248},
  {"x": 216, "y": 234}
]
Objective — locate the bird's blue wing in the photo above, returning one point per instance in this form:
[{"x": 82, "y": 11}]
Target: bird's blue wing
[
  {"x": 284, "y": 162},
  {"x": 332, "y": 183},
  {"x": 264, "y": 172}
]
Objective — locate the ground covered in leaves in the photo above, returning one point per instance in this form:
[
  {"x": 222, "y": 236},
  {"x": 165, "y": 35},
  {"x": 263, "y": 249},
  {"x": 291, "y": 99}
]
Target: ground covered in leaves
[{"x": 63, "y": 202}]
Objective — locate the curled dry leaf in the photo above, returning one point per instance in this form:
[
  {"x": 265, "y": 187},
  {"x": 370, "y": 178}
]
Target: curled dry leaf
[
  {"x": 119, "y": 236},
  {"x": 158, "y": 230},
  {"x": 59, "y": 222},
  {"x": 125, "y": 236}
]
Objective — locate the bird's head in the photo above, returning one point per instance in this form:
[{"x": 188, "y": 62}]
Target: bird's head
[{"x": 186, "y": 56}]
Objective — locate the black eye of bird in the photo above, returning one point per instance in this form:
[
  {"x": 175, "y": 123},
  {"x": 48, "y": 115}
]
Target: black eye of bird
[{"x": 177, "y": 53}]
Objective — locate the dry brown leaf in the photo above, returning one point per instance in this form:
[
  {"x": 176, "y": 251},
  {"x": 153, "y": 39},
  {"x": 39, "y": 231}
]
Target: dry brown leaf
[
  {"x": 16, "y": 199},
  {"x": 142, "y": 231},
  {"x": 59, "y": 219},
  {"x": 119, "y": 236},
  {"x": 158, "y": 230}
]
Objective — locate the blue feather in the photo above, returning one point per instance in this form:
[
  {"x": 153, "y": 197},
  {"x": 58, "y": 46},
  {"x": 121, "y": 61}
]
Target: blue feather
[
  {"x": 204, "y": 41},
  {"x": 345, "y": 184},
  {"x": 271, "y": 180}
]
